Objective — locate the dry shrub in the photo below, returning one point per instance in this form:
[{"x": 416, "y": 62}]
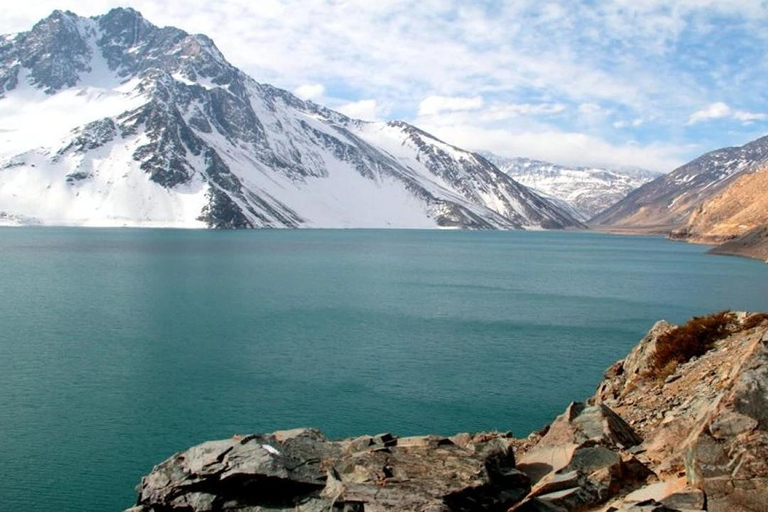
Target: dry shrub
[
  {"x": 693, "y": 339},
  {"x": 755, "y": 320}
]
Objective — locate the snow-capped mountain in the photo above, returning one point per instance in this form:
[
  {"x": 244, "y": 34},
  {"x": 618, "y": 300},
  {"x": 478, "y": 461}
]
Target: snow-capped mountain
[
  {"x": 113, "y": 121},
  {"x": 587, "y": 190},
  {"x": 666, "y": 203}
]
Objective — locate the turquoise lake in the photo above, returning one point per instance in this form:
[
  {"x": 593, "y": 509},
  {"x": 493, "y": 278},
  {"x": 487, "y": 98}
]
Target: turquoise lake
[{"x": 120, "y": 347}]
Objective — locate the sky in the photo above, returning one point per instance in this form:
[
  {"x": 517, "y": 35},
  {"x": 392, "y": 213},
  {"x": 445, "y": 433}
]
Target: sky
[{"x": 649, "y": 83}]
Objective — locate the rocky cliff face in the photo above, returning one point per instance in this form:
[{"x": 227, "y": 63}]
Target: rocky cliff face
[
  {"x": 694, "y": 437},
  {"x": 113, "y": 121},
  {"x": 666, "y": 203},
  {"x": 704, "y": 426}
]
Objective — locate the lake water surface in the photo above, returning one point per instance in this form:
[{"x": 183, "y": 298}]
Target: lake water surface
[{"x": 120, "y": 347}]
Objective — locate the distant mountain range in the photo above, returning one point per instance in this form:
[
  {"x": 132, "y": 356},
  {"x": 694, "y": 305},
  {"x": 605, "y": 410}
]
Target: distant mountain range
[
  {"x": 112, "y": 121},
  {"x": 587, "y": 190},
  {"x": 719, "y": 198}
]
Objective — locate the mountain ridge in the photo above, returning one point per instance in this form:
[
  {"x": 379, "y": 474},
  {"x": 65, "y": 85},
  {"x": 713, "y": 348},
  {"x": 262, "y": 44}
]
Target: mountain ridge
[
  {"x": 736, "y": 219},
  {"x": 588, "y": 190},
  {"x": 666, "y": 203},
  {"x": 152, "y": 126}
]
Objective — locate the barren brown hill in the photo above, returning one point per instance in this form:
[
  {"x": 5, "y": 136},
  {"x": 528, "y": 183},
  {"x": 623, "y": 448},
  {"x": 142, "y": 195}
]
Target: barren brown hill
[
  {"x": 740, "y": 208},
  {"x": 666, "y": 203},
  {"x": 737, "y": 218}
]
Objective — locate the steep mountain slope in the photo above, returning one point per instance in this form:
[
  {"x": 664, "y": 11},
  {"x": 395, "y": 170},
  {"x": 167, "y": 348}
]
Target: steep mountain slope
[
  {"x": 737, "y": 218},
  {"x": 740, "y": 208},
  {"x": 666, "y": 203},
  {"x": 111, "y": 121},
  {"x": 587, "y": 190}
]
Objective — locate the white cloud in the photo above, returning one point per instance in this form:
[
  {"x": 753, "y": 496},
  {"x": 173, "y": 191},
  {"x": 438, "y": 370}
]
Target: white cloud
[
  {"x": 500, "y": 112},
  {"x": 590, "y": 109},
  {"x": 571, "y": 148},
  {"x": 310, "y": 91},
  {"x": 401, "y": 50},
  {"x": 367, "y": 110},
  {"x": 634, "y": 123},
  {"x": 717, "y": 110},
  {"x": 434, "y": 105},
  {"x": 721, "y": 110},
  {"x": 748, "y": 117},
  {"x": 494, "y": 113}
]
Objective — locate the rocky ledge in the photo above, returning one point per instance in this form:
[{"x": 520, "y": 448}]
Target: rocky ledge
[{"x": 681, "y": 424}]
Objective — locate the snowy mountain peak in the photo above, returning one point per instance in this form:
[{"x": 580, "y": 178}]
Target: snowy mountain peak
[
  {"x": 586, "y": 190},
  {"x": 111, "y": 120}
]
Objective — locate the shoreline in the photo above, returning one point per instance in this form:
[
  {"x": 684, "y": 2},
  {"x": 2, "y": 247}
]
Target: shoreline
[{"x": 739, "y": 246}]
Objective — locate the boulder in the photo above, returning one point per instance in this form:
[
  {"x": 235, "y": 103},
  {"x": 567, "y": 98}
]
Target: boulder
[
  {"x": 670, "y": 495},
  {"x": 627, "y": 373},
  {"x": 302, "y": 470},
  {"x": 688, "y": 499},
  {"x": 581, "y": 461},
  {"x": 596, "y": 423},
  {"x": 578, "y": 428},
  {"x": 280, "y": 470}
]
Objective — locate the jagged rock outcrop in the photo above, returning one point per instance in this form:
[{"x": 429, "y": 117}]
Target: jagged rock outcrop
[
  {"x": 301, "y": 470},
  {"x": 704, "y": 426},
  {"x": 740, "y": 208},
  {"x": 692, "y": 439}
]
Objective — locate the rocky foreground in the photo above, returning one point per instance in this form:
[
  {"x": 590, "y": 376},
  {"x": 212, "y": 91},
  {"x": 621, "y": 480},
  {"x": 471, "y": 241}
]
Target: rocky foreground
[{"x": 667, "y": 430}]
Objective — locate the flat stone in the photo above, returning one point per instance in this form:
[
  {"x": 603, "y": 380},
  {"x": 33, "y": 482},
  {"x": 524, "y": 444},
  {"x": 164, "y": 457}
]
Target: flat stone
[
  {"x": 691, "y": 499},
  {"x": 556, "y": 482},
  {"x": 731, "y": 424},
  {"x": 577, "y": 498},
  {"x": 540, "y": 462},
  {"x": 535, "y": 505},
  {"x": 558, "y": 495},
  {"x": 593, "y": 458},
  {"x": 385, "y": 439},
  {"x": 422, "y": 441},
  {"x": 657, "y": 491}
]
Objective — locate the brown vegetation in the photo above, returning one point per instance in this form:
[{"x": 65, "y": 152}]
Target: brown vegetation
[
  {"x": 693, "y": 339},
  {"x": 754, "y": 320}
]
